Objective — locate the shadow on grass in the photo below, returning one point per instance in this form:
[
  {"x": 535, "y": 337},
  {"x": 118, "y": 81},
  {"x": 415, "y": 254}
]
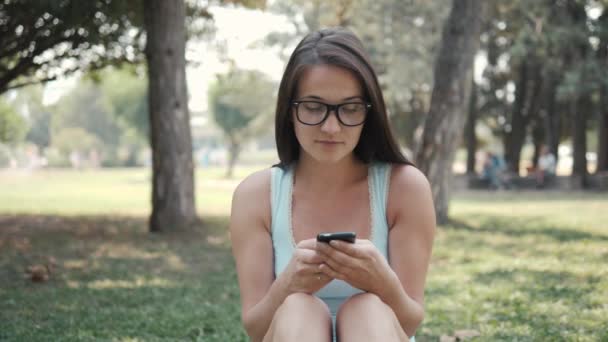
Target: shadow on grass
[
  {"x": 114, "y": 280},
  {"x": 517, "y": 227}
]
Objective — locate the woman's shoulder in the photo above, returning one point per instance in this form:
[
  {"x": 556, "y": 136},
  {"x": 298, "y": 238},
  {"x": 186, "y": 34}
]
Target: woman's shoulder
[
  {"x": 254, "y": 184},
  {"x": 251, "y": 198},
  {"x": 409, "y": 193},
  {"x": 405, "y": 176}
]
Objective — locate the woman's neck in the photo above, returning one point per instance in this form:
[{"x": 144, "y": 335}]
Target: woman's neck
[{"x": 327, "y": 177}]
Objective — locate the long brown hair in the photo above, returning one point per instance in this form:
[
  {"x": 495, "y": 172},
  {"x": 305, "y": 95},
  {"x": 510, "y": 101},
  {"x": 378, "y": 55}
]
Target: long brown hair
[{"x": 338, "y": 47}]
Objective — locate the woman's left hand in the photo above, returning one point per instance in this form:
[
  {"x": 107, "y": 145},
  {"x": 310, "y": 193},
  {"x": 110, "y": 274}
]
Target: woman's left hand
[{"x": 360, "y": 264}]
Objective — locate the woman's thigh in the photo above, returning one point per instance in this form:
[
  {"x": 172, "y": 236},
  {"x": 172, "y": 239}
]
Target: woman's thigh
[
  {"x": 301, "y": 317},
  {"x": 365, "y": 317}
]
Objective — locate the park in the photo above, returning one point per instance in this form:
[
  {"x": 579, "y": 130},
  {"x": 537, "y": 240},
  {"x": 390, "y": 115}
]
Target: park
[{"x": 503, "y": 106}]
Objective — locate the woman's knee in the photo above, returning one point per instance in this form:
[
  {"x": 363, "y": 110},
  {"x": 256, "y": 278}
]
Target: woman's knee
[
  {"x": 367, "y": 304},
  {"x": 287, "y": 323},
  {"x": 302, "y": 302},
  {"x": 366, "y": 314}
]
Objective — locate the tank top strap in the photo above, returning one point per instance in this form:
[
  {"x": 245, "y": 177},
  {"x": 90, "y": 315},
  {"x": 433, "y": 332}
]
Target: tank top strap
[
  {"x": 379, "y": 177},
  {"x": 280, "y": 202}
]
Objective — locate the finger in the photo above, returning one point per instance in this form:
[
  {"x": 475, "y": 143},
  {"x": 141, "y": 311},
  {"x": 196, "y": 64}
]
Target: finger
[
  {"x": 343, "y": 268},
  {"x": 308, "y": 256},
  {"x": 351, "y": 249},
  {"x": 333, "y": 254},
  {"x": 329, "y": 272},
  {"x": 307, "y": 244}
]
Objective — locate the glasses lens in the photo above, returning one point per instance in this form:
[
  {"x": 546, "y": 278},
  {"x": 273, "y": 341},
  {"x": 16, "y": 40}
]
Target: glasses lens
[
  {"x": 353, "y": 113},
  {"x": 311, "y": 113}
]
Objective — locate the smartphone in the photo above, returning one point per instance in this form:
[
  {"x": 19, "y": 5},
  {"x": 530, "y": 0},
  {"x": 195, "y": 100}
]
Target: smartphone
[{"x": 343, "y": 236}]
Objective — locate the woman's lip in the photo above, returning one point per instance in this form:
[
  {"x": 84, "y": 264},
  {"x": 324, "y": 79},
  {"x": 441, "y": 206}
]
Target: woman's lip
[{"x": 328, "y": 142}]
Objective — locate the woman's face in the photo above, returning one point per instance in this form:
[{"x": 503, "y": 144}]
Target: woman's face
[{"x": 329, "y": 141}]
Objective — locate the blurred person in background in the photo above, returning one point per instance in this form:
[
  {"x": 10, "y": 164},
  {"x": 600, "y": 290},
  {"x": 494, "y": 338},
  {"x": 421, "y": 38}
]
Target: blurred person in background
[{"x": 545, "y": 171}]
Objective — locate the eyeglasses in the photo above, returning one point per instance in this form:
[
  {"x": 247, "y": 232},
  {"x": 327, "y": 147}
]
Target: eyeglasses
[{"x": 314, "y": 113}]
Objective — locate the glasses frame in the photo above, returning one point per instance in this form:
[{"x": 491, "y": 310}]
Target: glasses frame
[{"x": 331, "y": 108}]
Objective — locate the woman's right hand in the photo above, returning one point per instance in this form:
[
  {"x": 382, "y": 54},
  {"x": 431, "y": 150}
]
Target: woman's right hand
[{"x": 302, "y": 273}]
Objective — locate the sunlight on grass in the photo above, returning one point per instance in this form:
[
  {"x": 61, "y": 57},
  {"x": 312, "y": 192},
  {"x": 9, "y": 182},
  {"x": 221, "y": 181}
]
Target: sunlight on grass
[
  {"x": 513, "y": 266},
  {"x": 124, "y": 284}
]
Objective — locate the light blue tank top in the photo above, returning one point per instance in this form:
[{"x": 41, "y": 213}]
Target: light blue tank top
[{"x": 283, "y": 242}]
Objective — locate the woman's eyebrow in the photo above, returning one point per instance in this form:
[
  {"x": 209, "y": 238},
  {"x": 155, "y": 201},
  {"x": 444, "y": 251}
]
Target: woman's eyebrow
[{"x": 316, "y": 97}]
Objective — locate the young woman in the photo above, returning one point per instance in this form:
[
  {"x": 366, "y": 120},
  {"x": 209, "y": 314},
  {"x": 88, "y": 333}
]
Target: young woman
[{"x": 340, "y": 170}]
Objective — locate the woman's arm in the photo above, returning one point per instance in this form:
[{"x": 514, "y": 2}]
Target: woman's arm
[
  {"x": 400, "y": 284},
  {"x": 252, "y": 250},
  {"x": 411, "y": 218}
]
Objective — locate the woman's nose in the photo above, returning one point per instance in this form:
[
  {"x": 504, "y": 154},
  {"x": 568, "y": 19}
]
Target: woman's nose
[{"x": 331, "y": 124}]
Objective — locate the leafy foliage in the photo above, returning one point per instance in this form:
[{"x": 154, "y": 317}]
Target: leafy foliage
[
  {"x": 241, "y": 103},
  {"x": 13, "y": 127}
]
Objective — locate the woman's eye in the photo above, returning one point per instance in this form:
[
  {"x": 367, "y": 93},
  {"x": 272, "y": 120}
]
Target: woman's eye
[
  {"x": 352, "y": 108},
  {"x": 313, "y": 107}
]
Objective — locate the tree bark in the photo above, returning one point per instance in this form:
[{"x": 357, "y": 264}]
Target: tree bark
[
  {"x": 234, "y": 150},
  {"x": 579, "y": 116},
  {"x": 602, "y": 55},
  {"x": 538, "y": 138},
  {"x": 552, "y": 116},
  {"x": 602, "y": 148},
  {"x": 469, "y": 130},
  {"x": 527, "y": 105},
  {"x": 173, "y": 205},
  {"x": 514, "y": 138},
  {"x": 447, "y": 114}
]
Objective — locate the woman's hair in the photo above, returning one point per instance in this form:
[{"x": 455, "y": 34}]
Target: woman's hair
[{"x": 338, "y": 47}]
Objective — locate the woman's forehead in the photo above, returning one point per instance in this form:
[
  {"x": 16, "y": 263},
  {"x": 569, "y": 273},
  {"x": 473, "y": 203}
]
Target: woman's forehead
[{"x": 329, "y": 82}]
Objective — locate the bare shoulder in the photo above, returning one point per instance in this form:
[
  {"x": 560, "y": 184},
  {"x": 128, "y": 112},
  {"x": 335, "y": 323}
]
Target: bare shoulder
[
  {"x": 409, "y": 194},
  {"x": 251, "y": 198},
  {"x": 254, "y": 184},
  {"x": 407, "y": 180}
]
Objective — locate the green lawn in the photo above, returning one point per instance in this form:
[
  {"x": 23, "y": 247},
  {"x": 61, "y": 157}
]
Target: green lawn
[{"x": 514, "y": 266}]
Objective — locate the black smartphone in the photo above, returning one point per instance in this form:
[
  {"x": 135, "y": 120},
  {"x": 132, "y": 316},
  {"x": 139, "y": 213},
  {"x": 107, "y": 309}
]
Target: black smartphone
[{"x": 343, "y": 236}]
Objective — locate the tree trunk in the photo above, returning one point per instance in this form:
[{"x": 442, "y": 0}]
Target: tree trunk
[
  {"x": 602, "y": 148},
  {"x": 527, "y": 105},
  {"x": 514, "y": 138},
  {"x": 173, "y": 206},
  {"x": 447, "y": 114},
  {"x": 579, "y": 140},
  {"x": 233, "y": 154},
  {"x": 552, "y": 117},
  {"x": 602, "y": 55},
  {"x": 538, "y": 138},
  {"x": 469, "y": 130}
]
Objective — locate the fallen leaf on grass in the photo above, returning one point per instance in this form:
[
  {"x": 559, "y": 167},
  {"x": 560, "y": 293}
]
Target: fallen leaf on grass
[
  {"x": 460, "y": 335},
  {"x": 41, "y": 272},
  {"x": 215, "y": 240},
  {"x": 38, "y": 273},
  {"x": 466, "y": 334}
]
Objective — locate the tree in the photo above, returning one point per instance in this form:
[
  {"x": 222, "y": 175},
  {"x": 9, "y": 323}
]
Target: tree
[
  {"x": 112, "y": 109},
  {"x": 241, "y": 103},
  {"x": 41, "y": 40},
  {"x": 38, "y": 115},
  {"x": 173, "y": 205},
  {"x": 400, "y": 36},
  {"x": 445, "y": 121},
  {"x": 602, "y": 56},
  {"x": 12, "y": 126}
]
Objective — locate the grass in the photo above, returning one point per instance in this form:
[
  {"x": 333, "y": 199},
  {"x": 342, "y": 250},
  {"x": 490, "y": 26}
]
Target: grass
[{"x": 514, "y": 266}]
